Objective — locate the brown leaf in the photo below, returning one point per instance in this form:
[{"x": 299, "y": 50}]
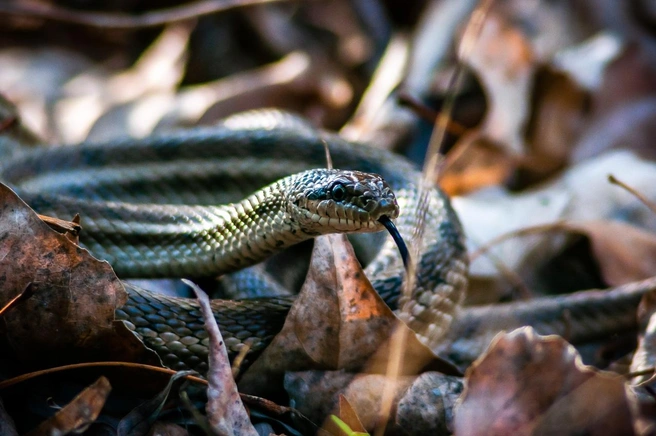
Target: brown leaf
[
  {"x": 70, "y": 316},
  {"x": 478, "y": 164},
  {"x": 79, "y": 414},
  {"x": 557, "y": 118},
  {"x": 225, "y": 410},
  {"x": 338, "y": 322},
  {"x": 624, "y": 253},
  {"x": 529, "y": 384}
]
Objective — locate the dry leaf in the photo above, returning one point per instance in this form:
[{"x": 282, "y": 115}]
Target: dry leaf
[
  {"x": 70, "y": 315},
  {"x": 526, "y": 384},
  {"x": 479, "y": 164},
  {"x": 581, "y": 194},
  {"x": 625, "y": 253},
  {"x": 558, "y": 116},
  {"x": 79, "y": 414},
  {"x": 338, "y": 322},
  {"x": 225, "y": 411}
]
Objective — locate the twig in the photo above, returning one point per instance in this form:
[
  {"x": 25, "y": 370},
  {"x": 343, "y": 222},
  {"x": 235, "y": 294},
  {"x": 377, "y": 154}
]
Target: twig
[
  {"x": 124, "y": 21},
  {"x": 429, "y": 114},
  {"x": 25, "y": 377},
  {"x": 225, "y": 410},
  {"x": 637, "y": 194},
  {"x": 559, "y": 226}
]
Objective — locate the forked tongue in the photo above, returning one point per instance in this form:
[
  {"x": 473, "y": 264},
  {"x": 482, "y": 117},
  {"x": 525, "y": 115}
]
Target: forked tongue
[{"x": 403, "y": 249}]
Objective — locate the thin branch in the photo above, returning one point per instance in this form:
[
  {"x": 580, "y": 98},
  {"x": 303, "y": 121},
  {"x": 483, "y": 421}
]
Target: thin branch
[
  {"x": 633, "y": 191},
  {"x": 124, "y": 21}
]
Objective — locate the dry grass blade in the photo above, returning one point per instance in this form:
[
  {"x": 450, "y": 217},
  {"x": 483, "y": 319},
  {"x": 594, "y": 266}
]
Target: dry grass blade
[
  {"x": 650, "y": 204},
  {"x": 225, "y": 410},
  {"x": 428, "y": 179}
]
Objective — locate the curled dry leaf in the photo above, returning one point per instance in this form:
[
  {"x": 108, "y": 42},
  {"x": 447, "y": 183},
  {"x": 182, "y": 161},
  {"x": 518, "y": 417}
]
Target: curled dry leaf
[
  {"x": 421, "y": 405},
  {"x": 225, "y": 410},
  {"x": 559, "y": 108},
  {"x": 526, "y": 384},
  {"x": 70, "y": 315},
  {"x": 624, "y": 253},
  {"x": 338, "y": 322},
  {"x": 79, "y": 414}
]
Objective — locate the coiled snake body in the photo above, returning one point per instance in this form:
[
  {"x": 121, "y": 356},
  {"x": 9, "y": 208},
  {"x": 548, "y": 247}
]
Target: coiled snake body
[{"x": 151, "y": 208}]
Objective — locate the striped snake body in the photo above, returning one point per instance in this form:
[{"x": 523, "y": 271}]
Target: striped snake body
[{"x": 152, "y": 208}]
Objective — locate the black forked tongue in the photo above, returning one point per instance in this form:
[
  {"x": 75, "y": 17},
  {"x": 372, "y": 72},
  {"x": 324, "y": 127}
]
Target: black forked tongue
[{"x": 403, "y": 249}]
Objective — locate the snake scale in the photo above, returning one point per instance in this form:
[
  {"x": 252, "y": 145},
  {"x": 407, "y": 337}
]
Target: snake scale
[{"x": 158, "y": 207}]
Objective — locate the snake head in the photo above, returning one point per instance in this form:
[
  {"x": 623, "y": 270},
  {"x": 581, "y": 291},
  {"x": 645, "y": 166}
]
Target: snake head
[{"x": 337, "y": 201}]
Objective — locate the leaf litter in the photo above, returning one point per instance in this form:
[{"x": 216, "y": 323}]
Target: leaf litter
[{"x": 566, "y": 98}]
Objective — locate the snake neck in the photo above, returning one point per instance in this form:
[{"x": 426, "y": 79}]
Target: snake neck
[{"x": 253, "y": 229}]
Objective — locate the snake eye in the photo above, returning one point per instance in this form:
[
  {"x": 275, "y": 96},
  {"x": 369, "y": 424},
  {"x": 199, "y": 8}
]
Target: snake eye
[{"x": 338, "y": 192}]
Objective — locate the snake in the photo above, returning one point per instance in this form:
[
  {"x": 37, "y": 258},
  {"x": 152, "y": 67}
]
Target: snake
[{"x": 208, "y": 201}]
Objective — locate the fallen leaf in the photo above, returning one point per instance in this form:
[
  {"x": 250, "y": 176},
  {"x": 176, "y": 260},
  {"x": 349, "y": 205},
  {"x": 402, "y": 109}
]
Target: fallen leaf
[
  {"x": 338, "y": 322},
  {"x": 479, "y": 164},
  {"x": 526, "y": 384},
  {"x": 225, "y": 410},
  {"x": 70, "y": 315},
  {"x": 625, "y": 253},
  {"x": 559, "y": 110},
  {"x": 581, "y": 194},
  {"x": 79, "y": 414}
]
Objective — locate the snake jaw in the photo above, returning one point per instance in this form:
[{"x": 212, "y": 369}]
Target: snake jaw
[{"x": 340, "y": 201}]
